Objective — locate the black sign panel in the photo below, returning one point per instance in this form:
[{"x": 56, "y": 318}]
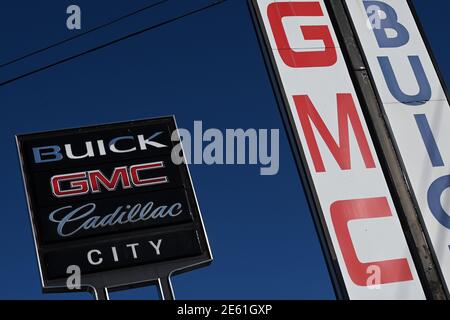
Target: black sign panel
[
  {"x": 120, "y": 253},
  {"x": 110, "y": 200}
]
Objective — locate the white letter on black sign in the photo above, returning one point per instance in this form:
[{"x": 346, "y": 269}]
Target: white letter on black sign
[
  {"x": 89, "y": 151},
  {"x": 114, "y": 252},
  {"x": 133, "y": 249},
  {"x": 89, "y": 256},
  {"x": 143, "y": 143},
  {"x": 156, "y": 246}
]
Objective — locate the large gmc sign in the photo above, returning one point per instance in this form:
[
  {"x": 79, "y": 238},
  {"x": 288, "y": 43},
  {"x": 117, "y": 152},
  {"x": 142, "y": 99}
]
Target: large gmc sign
[
  {"x": 109, "y": 200},
  {"x": 416, "y": 106},
  {"x": 356, "y": 215}
]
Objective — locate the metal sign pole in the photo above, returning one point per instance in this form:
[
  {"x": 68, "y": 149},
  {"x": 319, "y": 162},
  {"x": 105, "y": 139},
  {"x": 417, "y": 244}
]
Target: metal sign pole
[
  {"x": 165, "y": 289},
  {"x": 101, "y": 294}
]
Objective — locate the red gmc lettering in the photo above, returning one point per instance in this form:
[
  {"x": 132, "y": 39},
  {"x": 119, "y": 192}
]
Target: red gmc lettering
[
  {"x": 80, "y": 183},
  {"x": 344, "y": 211},
  {"x": 325, "y": 58},
  {"x": 96, "y": 178},
  {"x": 77, "y": 186},
  {"x": 346, "y": 110},
  {"x": 305, "y": 86},
  {"x": 138, "y": 182}
]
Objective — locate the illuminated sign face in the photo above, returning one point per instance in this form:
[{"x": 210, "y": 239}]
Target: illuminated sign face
[
  {"x": 416, "y": 106},
  {"x": 343, "y": 173},
  {"x": 109, "y": 200}
]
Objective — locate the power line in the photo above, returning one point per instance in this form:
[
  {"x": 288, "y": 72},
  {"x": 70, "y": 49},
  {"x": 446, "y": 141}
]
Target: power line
[
  {"x": 112, "y": 42},
  {"x": 82, "y": 34}
]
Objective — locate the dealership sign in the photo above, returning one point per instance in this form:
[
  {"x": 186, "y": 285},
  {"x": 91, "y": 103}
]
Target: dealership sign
[
  {"x": 416, "y": 107},
  {"x": 348, "y": 190},
  {"x": 109, "y": 200}
]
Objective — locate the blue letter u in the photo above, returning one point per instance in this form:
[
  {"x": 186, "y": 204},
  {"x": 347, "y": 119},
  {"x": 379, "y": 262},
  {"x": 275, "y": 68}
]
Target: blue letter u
[{"x": 424, "y": 94}]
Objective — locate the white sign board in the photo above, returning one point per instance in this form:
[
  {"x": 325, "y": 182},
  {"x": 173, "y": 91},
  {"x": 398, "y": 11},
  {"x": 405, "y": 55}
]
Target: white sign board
[
  {"x": 416, "y": 106},
  {"x": 352, "y": 193}
]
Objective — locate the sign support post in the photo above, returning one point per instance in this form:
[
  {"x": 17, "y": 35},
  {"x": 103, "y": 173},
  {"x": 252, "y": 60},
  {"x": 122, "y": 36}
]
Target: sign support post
[
  {"x": 165, "y": 289},
  {"x": 101, "y": 294}
]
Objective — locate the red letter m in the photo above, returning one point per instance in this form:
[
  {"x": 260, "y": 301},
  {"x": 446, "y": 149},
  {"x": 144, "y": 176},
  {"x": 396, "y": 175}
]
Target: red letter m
[
  {"x": 346, "y": 111},
  {"x": 119, "y": 175}
]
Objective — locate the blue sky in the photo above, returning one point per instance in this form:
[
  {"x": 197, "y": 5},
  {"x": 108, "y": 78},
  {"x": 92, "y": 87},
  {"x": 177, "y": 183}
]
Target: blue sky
[{"x": 206, "y": 67}]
